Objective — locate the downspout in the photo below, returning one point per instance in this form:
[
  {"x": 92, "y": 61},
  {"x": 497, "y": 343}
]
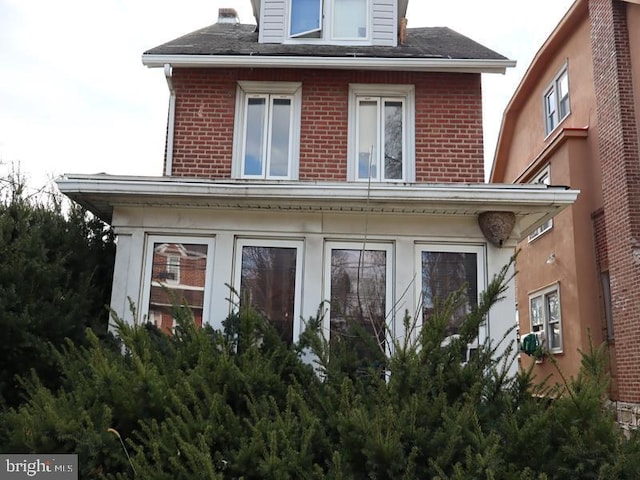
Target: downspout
[{"x": 171, "y": 122}]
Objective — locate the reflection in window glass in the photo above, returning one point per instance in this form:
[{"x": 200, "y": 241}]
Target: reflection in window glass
[
  {"x": 177, "y": 277},
  {"x": 444, "y": 273},
  {"x": 267, "y": 283},
  {"x": 358, "y": 300},
  {"x": 393, "y": 139}
]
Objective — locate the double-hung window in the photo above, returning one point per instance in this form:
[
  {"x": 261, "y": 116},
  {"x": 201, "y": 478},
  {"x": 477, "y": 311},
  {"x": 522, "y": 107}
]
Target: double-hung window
[
  {"x": 381, "y": 119},
  {"x": 343, "y": 20},
  {"x": 556, "y": 100},
  {"x": 545, "y": 317},
  {"x": 267, "y": 130},
  {"x": 544, "y": 178}
]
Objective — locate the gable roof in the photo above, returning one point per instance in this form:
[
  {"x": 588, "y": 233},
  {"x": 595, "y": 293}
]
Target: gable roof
[{"x": 226, "y": 44}]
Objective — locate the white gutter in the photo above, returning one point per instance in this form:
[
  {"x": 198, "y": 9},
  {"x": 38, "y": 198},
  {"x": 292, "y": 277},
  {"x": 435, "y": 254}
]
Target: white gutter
[
  {"x": 364, "y": 63},
  {"x": 168, "y": 72}
]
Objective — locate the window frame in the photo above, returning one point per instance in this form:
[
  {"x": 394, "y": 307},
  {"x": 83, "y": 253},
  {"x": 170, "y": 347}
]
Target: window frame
[
  {"x": 389, "y": 249},
  {"x": 304, "y": 33},
  {"x": 481, "y": 278},
  {"x": 381, "y": 93},
  {"x": 544, "y": 293},
  {"x": 553, "y": 116},
  {"x": 145, "y": 291},
  {"x": 247, "y": 90},
  {"x": 262, "y": 242},
  {"x": 545, "y": 173}
]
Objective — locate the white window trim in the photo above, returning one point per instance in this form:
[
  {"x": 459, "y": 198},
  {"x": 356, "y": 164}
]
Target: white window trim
[
  {"x": 382, "y": 91},
  {"x": 266, "y": 242},
  {"x": 548, "y": 225},
  {"x": 553, "y": 88},
  {"x": 543, "y": 292},
  {"x": 481, "y": 259},
  {"x": 326, "y": 36},
  {"x": 390, "y": 278},
  {"x": 247, "y": 89},
  {"x": 150, "y": 241}
]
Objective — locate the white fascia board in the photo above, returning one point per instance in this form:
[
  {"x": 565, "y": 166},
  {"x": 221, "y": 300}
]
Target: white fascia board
[
  {"x": 157, "y": 190},
  {"x": 348, "y": 63}
]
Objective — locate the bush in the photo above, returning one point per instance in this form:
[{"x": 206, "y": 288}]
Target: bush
[
  {"x": 55, "y": 281},
  {"x": 239, "y": 403}
]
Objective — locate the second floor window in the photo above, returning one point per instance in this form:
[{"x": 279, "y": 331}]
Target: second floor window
[
  {"x": 543, "y": 177},
  {"x": 267, "y": 130},
  {"x": 556, "y": 101},
  {"x": 380, "y": 126}
]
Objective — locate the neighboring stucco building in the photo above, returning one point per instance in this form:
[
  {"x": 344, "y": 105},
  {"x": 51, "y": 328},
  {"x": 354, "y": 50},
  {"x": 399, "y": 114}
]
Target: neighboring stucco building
[
  {"x": 574, "y": 121},
  {"x": 326, "y": 155}
]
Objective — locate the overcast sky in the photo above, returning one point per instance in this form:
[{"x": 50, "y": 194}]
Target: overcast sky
[{"x": 75, "y": 97}]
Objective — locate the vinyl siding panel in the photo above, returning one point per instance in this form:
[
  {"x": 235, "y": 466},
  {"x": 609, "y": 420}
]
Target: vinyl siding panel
[
  {"x": 385, "y": 21},
  {"x": 272, "y": 21}
]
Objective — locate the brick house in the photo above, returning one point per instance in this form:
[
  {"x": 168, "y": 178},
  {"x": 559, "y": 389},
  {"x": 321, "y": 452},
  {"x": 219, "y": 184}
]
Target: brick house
[
  {"x": 574, "y": 120},
  {"x": 324, "y": 156}
]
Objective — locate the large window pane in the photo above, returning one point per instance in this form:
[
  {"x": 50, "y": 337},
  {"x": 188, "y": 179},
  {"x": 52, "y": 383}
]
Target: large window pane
[
  {"x": 254, "y": 138},
  {"x": 177, "y": 277},
  {"x": 280, "y": 138},
  {"x": 305, "y": 16},
  {"x": 358, "y": 299},
  {"x": 267, "y": 283},
  {"x": 350, "y": 18},
  {"x": 393, "y": 140},
  {"x": 444, "y": 273}
]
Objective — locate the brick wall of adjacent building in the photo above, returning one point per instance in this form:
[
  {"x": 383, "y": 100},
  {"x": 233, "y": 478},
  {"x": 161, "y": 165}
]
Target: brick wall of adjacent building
[
  {"x": 618, "y": 147},
  {"x": 448, "y": 134}
]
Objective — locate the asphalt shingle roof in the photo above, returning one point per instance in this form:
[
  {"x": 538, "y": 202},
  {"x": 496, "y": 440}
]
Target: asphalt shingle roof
[{"x": 223, "y": 39}]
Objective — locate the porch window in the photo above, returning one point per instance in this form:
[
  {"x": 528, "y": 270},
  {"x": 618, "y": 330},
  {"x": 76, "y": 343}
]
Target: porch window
[
  {"x": 268, "y": 278},
  {"x": 176, "y": 274},
  {"x": 360, "y": 293},
  {"x": 447, "y": 269}
]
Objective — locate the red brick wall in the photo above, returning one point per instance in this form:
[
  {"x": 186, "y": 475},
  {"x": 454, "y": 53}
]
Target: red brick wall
[
  {"x": 618, "y": 146},
  {"x": 448, "y": 137}
]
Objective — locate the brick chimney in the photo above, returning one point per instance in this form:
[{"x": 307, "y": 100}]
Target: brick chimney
[{"x": 228, "y": 15}]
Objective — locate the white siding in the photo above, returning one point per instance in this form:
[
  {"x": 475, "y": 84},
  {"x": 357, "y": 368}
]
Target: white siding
[
  {"x": 272, "y": 21},
  {"x": 385, "y": 22}
]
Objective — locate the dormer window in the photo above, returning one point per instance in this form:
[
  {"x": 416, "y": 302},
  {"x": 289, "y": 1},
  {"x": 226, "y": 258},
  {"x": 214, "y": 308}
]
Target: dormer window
[
  {"x": 306, "y": 17},
  {"x": 340, "y": 20}
]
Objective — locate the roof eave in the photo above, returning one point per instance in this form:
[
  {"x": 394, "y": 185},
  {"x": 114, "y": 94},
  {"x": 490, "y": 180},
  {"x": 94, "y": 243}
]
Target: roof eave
[
  {"x": 347, "y": 63},
  {"x": 532, "y": 204}
]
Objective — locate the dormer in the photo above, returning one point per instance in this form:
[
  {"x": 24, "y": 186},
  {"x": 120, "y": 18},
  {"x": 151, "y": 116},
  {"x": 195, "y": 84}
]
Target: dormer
[{"x": 330, "y": 22}]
